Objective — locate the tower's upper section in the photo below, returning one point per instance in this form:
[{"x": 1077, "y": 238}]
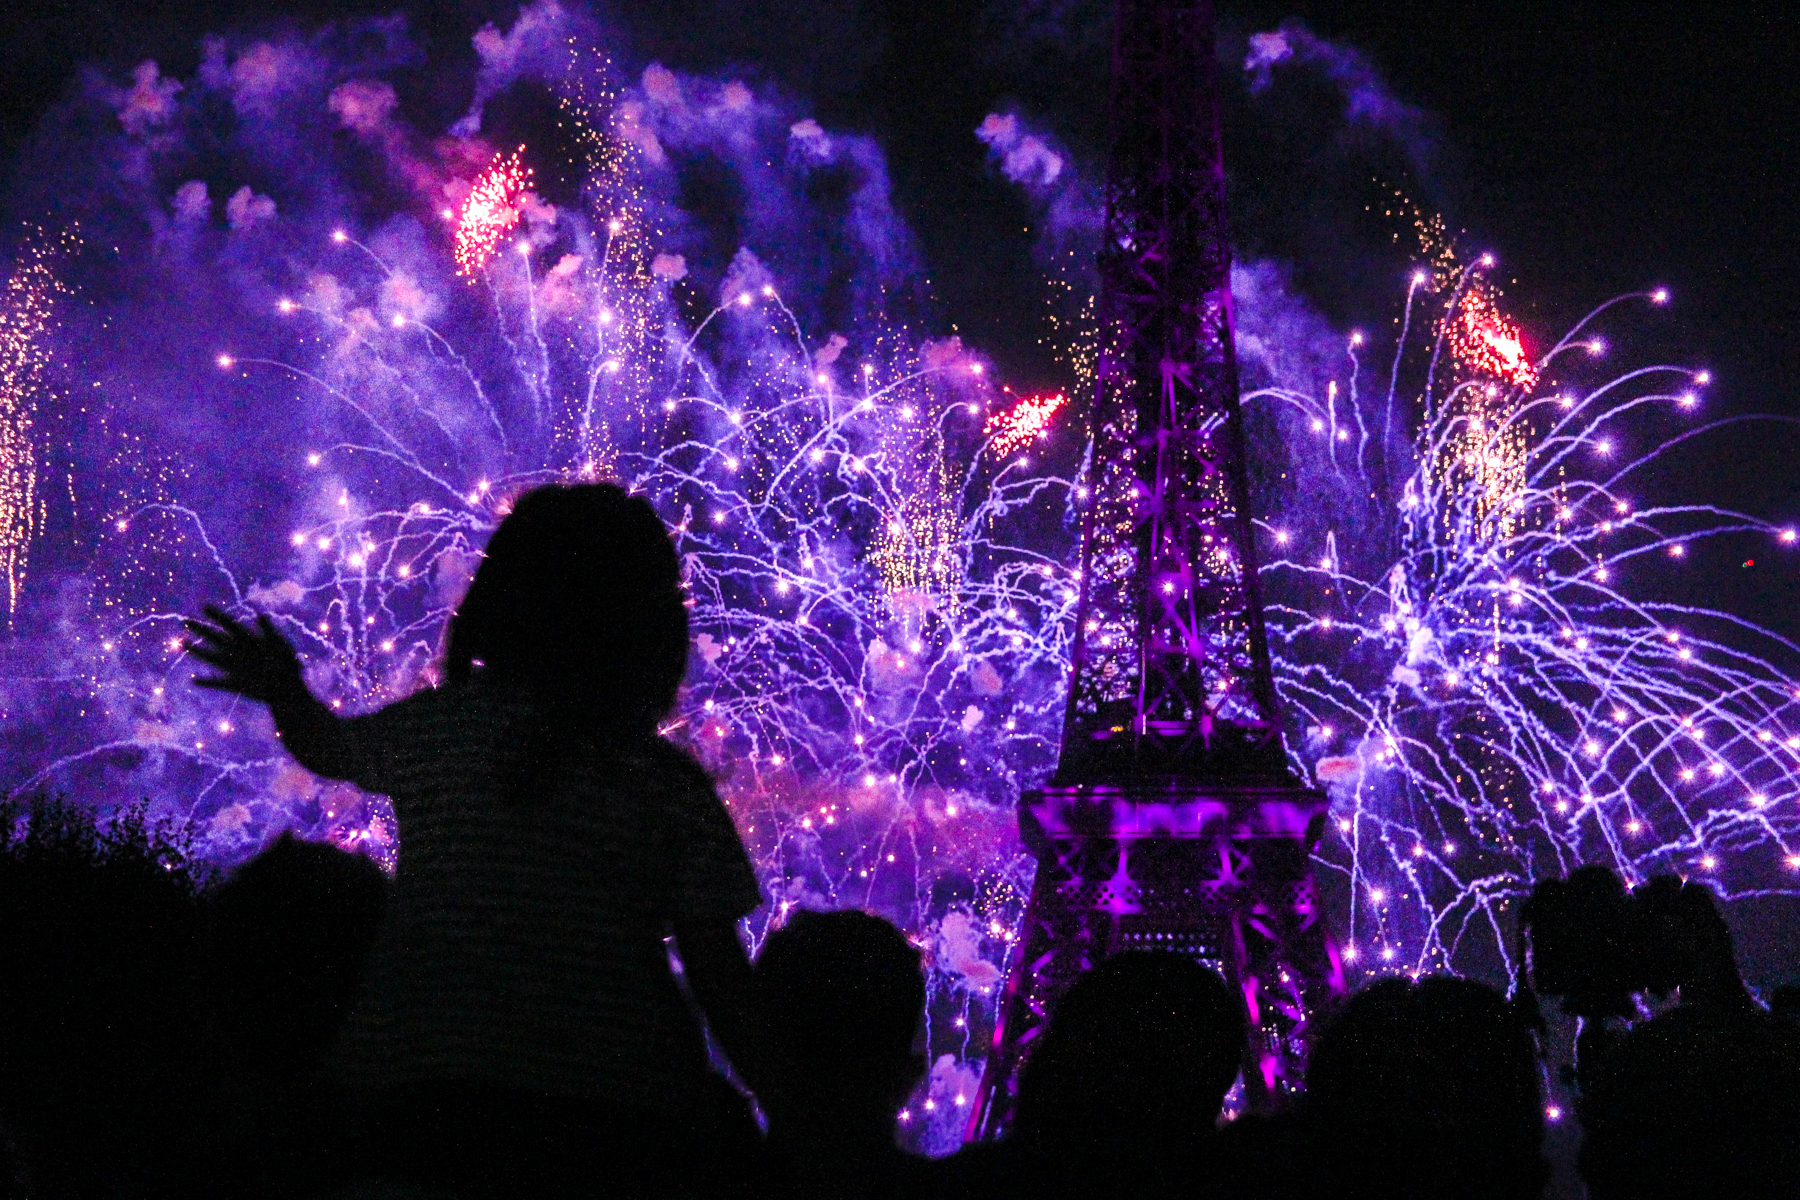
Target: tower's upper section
[{"x": 1171, "y": 665}]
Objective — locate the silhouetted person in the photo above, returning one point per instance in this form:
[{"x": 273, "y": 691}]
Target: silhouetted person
[
  {"x": 290, "y": 935},
  {"x": 1121, "y": 1095},
  {"x": 1698, "y": 1102},
  {"x": 845, "y": 995},
  {"x": 521, "y": 1030},
  {"x": 1689, "y": 946},
  {"x": 1704, "y": 1099},
  {"x": 1426, "y": 1089},
  {"x": 1586, "y": 946}
]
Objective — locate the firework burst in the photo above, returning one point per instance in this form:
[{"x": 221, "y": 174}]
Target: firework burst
[
  {"x": 490, "y": 211},
  {"x": 1020, "y": 425},
  {"x": 1467, "y": 665},
  {"x": 27, "y": 310}
]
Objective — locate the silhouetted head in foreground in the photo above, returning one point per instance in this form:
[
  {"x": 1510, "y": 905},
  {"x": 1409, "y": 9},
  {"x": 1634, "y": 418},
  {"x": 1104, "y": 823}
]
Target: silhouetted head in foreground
[
  {"x": 291, "y": 932},
  {"x": 1427, "y": 1089},
  {"x": 578, "y": 599},
  {"x": 1138, "y": 1056},
  {"x": 289, "y": 937},
  {"x": 1701, "y": 1101},
  {"x": 844, "y": 993}
]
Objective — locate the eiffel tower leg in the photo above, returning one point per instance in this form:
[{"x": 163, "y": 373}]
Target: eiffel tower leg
[
  {"x": 1287, "y": 965},
  {"x": 1058, "y": 940}
]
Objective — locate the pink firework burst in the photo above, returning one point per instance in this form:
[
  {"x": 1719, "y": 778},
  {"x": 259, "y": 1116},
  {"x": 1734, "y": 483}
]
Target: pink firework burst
[
  {"x": 490, "y": 211},
  {"x": 1029, "y": 418},
  {"x": 1486, "y": 341}
]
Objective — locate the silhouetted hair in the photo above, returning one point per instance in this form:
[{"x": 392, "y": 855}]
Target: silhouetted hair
[
  {"x": 1145, "y": 1045},
  {"x": 1594, "y": 943},
  {"x": 1428, "y": 1089},
  {"x": 845, "y": 994},
  {"x": 578, "y": 599}
]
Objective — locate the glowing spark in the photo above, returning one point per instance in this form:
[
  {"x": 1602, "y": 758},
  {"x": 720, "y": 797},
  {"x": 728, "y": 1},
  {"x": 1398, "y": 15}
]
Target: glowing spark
[{"x": 27, "y": 308}]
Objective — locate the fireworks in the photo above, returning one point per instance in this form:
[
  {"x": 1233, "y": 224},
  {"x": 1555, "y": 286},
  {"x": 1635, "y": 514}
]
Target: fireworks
[
  {"x": 880, "y": 607},
  {"x": 1018, "y": 426},
  {"x": 1487, "y": 342},
  {"x": 27, "y": 307},
  {"x": 490, "y": 211},
  {"x": 1470, "y": 673}
]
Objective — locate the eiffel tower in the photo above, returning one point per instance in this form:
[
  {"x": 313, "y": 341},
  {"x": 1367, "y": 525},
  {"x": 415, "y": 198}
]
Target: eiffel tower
[{"x": 1173, "y": 821}]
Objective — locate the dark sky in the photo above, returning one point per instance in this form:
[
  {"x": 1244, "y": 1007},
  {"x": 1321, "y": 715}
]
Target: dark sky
[{"x": 1595, "y": 148}]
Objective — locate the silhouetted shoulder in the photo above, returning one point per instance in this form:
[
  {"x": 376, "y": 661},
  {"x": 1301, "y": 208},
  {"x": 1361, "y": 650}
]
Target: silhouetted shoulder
[{"x": 714, "y": 875}]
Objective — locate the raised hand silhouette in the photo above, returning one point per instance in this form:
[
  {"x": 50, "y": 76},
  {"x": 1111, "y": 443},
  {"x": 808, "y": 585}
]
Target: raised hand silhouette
[{"x": 254, "y": 662}]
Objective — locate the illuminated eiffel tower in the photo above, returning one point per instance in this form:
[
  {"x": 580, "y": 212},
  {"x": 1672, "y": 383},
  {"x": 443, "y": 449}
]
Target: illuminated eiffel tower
[{"x": 1173, "y": 821}]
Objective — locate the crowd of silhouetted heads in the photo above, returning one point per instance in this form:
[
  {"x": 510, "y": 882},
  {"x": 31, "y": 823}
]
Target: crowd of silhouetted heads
[{"x": 166, "y": 1034}]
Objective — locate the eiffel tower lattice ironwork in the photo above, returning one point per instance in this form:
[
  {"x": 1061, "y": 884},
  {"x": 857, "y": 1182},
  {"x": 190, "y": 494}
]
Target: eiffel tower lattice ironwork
[{"x": 1172, "y": 821}]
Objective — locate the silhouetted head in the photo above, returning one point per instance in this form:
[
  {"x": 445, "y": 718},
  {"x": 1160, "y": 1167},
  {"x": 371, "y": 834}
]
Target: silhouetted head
[
  {"x": 845, "y": 995},
  {"x": 291, "y": 932},
  {"x": 1428, "y": 1089},
  {"x": 1688, "y": 944},
  {"x": 1582, "y": 943},
  {"x": 1699, "y": 1101},
  {"x": 1143, "y": 1049},
  {"x": 1785, "y": 1002},
  {"x": 578, "y": 598}
]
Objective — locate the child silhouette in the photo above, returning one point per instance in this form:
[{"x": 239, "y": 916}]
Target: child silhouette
[{"x": 521, "y": 1026}]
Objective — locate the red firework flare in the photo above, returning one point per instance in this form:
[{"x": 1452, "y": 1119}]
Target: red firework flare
[
  {"x": 490, "y": 211},
  {"x": 1487, "y": 341},
  {"x": 1029, "y": 418}
]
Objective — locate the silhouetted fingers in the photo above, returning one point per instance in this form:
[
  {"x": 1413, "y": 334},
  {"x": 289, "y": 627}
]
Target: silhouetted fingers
[
  {"x": 229, "y": 624},
  {"x": 211, "y": 654},
  {"x": 208, "y": 632},
  {"x": 205, "y": 629},
  {"x": 204, "y": 641},
  {"x": 229, "y": 659},
  {"x": 218, "y": 616}
]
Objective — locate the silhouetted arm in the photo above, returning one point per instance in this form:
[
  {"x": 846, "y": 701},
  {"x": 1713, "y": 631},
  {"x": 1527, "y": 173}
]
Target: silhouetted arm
[
  {"x": 719, "y": 975},
  {"x": 714, "y": 886},
  {"x": 259, "y": 664}
]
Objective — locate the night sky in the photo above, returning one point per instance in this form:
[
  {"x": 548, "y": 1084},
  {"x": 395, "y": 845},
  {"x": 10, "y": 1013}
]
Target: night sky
[{"x": 1593, "y": 153}]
